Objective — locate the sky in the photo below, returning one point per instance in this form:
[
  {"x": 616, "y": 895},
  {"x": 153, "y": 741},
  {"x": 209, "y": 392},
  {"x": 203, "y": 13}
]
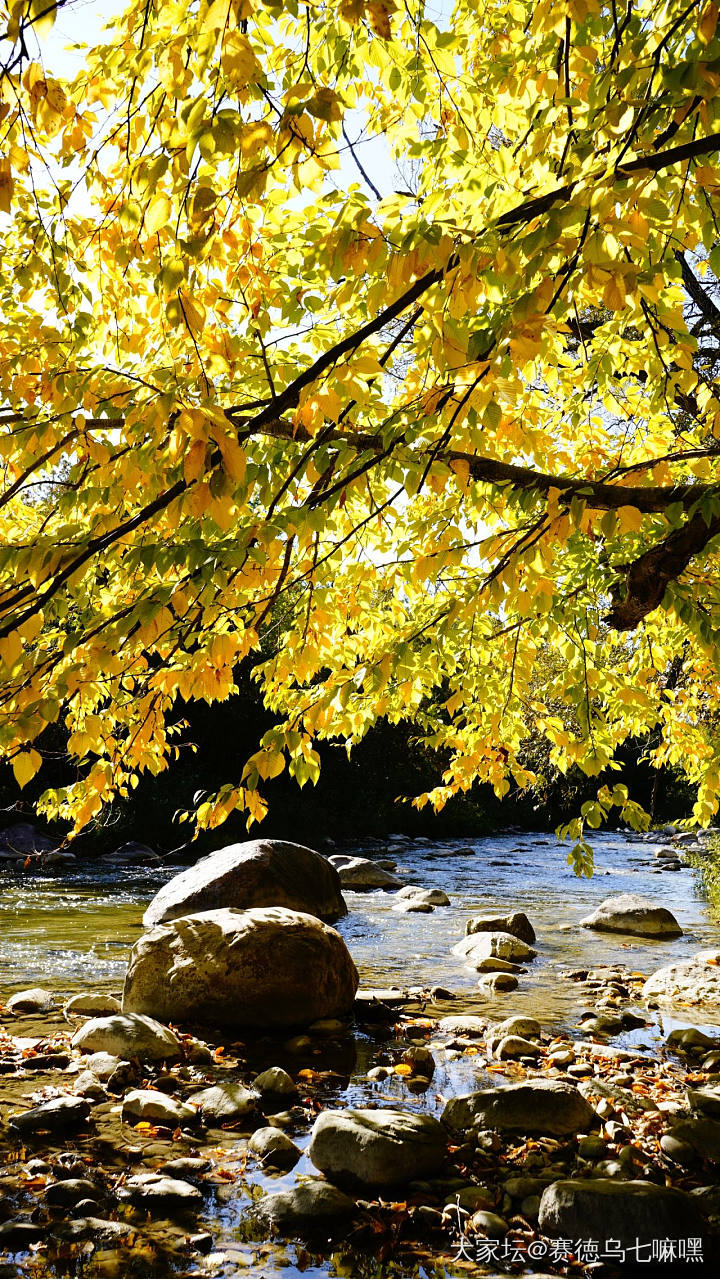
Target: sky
[{"x": 81, "y": 22}]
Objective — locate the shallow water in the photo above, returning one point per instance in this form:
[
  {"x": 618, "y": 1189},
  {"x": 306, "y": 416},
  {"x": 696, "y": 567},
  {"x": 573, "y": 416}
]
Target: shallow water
[{"x": 72, "y": 932}]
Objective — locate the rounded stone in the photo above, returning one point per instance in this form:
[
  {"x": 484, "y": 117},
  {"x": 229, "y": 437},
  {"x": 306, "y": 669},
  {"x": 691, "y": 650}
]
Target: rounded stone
[
  {"x": 629, "y": 913},
  {"x": 259, "y": 873},
  {"x": 260, "y": 967},
  {"x": 273, "y": 1148},
  {"x": 377, "y": 1147},
  {"x": 128, "y": 1035}
]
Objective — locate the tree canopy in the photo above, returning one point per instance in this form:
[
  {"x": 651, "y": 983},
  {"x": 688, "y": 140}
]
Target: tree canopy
[{"x": 397, "y": 322}]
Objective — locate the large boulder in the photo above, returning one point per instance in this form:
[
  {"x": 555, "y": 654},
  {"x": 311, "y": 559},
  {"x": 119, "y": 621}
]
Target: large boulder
[
  {"x": 272, "y": 967},
  {"x": 633, "y": 1213},
  {"x": 629, "y": 913},
  {"x": 262, "y": 872},
  {"x": 546, "y": 1107},
  {"x": 480, "y": 946},
  {"x": 377, "y": 1147},
  {"x": 362, "y": 875},
  {"x": 692, "y": 981}
]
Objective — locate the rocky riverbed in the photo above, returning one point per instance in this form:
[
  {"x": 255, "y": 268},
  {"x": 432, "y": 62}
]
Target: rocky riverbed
[{"x": 439, "y": 1124}]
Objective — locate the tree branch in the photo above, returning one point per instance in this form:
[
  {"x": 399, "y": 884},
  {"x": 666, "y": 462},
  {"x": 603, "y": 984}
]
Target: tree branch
[{"x": 649, "y": 576}]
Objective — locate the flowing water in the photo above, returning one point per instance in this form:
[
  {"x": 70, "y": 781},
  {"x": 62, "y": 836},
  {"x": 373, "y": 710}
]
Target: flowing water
[{"x": 72, "y": 932}]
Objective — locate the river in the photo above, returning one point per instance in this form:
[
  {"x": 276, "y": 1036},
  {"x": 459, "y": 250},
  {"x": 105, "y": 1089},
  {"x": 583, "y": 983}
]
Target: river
[{"x": 72, "y": 932}]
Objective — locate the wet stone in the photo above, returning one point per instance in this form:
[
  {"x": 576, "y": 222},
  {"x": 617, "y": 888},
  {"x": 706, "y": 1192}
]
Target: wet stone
[
  {"x": 155, "y": 1107},
  {"x": 71, "y": 1191},
  {"x": 18, "y": 1235},
  {"x": 59, "y": 1114},
  {"x": 275, "y": 1082},
  {"x": 273, "y": 1149},
  {"x": 157, "y": 1193},
  {"x": 189, "y": 1168},
  {"x": 35, "y": 1000},
  {"x": 311, "y": 1203},
  {"x": 225, "y": 1103}
]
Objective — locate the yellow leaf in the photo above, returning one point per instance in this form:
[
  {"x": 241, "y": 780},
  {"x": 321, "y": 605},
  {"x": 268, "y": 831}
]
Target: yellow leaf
[
  {"x": 157, "y": 214},
  {"x": 11, "y": 648},
  {"x": 629, "y": 518},
  {"x": 614, "y": 293},
  {"x": 379, "y": 16},
  {"x": 234, "y": 459},
  {"x": 708, "y": 23},
  {"x": 25, "y": 766},
  {"x": 194, "y": 463},
  {"x": 7, "y": 186}
]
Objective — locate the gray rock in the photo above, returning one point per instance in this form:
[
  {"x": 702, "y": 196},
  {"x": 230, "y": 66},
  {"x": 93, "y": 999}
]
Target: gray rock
[
  {"x": 483, "y": 945},
  {"x": 92, "y": 1005},
  {"x": 692, "y": 981},
  {"x": 57, "y": 1115},
  {"x": 103, "y": 1065},
  {"x": 708, "y": 1200},
  {"x": 421, "y": 1060},
  {"x": 259, "y": 873},
  {"x": 108, "y": 1234},
  {"x": 128, "y": 1035},
  {"x": 516, "y": 923},
  {"x": 88, "y": 1085},
  {"x": 631, "y": 1211},
  {"x": 186, "y": 1167},
  {"x": 413, "y": 906},
  {"x": 680, "y": 1151},
  {"x": 464, "y": 1025},
  {"x": 706, "y": 1100},
  {"x": 153, "y": 1106},
  {"x": 433, "y": 896},
  {"x": 24, "y": 838},
  {"x": 275, "y": 1082},
  {"x": 362, "y": 875},
  {"x": 546, "y": 1107},
  {"x": 514, "y": 1046},
  {"x": 377, "y": 1147},
  {"x": 593, "y": 1148},
  {"x": 629, "y": 913},
  {"x": 702, "y": 1134},
  {"x": 491, "y": 965},
  {"x": 494, "y": 982},
  {"x": 57, "y": 857},
  {"x": 273, "y": 1148},
  {"x": 312, "y": 1202},
  {"x": 62, "y": 1194},
  {"x": 260, "y": 967},
  {"x": 689, "y": 1039},
  {"x": 35, "y": 1000},
  {"x": 469, "y": 1198},
  {"x": 634, "y": 1104},
  {"x": 156, "y": 1193},
  {"x": 489, "y": 1224},
  {"x": 18, "y": 1235},
  {"x": 226, "y": 1103},
  {"x": 529, "y": 1027}
]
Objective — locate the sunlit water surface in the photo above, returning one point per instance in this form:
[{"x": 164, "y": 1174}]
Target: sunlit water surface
[{"x": 73, "y": 932}]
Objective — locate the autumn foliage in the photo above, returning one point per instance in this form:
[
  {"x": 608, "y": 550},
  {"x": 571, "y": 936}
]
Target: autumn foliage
[{"x": 402, "y": 320}]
